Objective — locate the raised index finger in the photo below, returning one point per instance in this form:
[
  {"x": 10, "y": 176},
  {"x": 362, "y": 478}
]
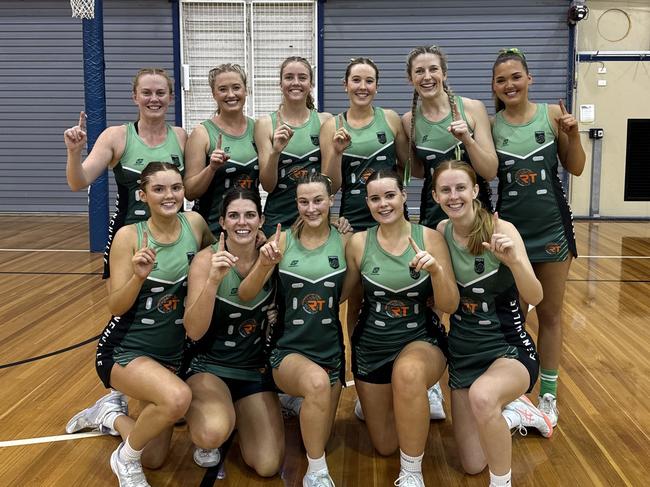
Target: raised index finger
[
  {"x": 222, "y": 243},
  {"x": 219, "y": 141},
  {"x": 145, "y": 240},
  {"x": 278, "y": 231},
  {"x": 563, "y": 108},
  {"x": 82, "y": 120},
  {"x": 414, "y": 245},
  {"x": 340, "y": 120}
]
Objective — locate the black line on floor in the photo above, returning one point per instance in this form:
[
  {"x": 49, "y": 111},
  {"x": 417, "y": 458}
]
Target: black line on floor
[
  {"x": 56, "y": 352},
  {"x": 212, "y": 473}
]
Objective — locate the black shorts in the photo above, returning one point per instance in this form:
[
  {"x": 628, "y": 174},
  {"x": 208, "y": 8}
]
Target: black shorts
[{"x": 239, "y": 388}]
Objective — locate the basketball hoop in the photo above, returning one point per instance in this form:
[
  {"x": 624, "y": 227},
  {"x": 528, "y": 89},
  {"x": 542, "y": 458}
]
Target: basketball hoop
[{"x": 83, "y": 9}]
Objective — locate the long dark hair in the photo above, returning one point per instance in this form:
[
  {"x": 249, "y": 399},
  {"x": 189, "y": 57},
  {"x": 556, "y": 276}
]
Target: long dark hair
[{"x": 511, "y": 54}]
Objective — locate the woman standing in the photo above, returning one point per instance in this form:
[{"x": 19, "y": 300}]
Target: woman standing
[
  {"x": 444, "y": 126},
  {"x": 127, "y": 149},
  {"x": 231, "y": 384},
  {"x": 397, "y": 345},
  {"x": 360, "y": 141},
  {"x": 530, "y": 138},
  {"x": 492, "y": 360},
  {"x": 288, "y": 143},
  {"x": 139, "y": 352},
  {"x": 307, "y": 345},
  {"x": 220, "y": 152}
]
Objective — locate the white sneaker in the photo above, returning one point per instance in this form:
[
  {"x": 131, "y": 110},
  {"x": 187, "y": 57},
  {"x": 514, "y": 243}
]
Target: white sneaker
[
  {"x": 318, "y": 479},
  {"x": 436, "y": 409},
  {"x": 409, "y": 479},
  {"x": 206, "y": 457},
  {"x": 93, "y": 417},
  {"x": 358, "y": 411},
  {"x": 290, "y": 405},
  {"x": 548, "y": 405},
  {"x": 129, "y": 474},
  {"x": 530, "y": 417}
]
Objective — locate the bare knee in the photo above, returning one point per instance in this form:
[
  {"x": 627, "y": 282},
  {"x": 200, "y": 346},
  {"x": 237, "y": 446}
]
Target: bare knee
[
  {"x": 265, "y": 465},
  {"x": 408, "y": 379},
  {"x": 318, "y": 385},
  {"x": 212, "y": 434},
  {"x": 483, "y": 404},
  {"x": 176, "y": 401},
  {"x": 473, "y": 466}
]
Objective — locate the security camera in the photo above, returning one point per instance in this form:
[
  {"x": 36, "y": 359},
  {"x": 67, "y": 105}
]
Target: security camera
[{"x": 577, "y": 12}]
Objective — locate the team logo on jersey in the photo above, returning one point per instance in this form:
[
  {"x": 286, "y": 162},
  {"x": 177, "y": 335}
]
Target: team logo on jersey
[
  {"x": 334, "y": 261},
  {"x": 413, "y": 273},
  {"x": 226, "y": 150},
  {"x": 469, "y": 306},
  {"x": 525, "y": 177},
  {"x": 245, "y": 182},
  {"x": 190, "y": 256},
  {"x": 315, "y": 140},
  {"x": 504, "y": 142},
  {"x": 139, "y": 162},
  {"x": 425, "y": 137},
  {"x": 299, "y": 172},
  {"x": 479, "y": 265},
  {"x": 233, "y": 291},
  {"x": 247, "y": 328},
  {"x": 540, "y": 137},
  {"x": 168, "y": 303},
  {"x": 313, "y": 303},
  {"x": 396, "y": 309},
  {"x": 155, "y": 266},
  {"x": 375, "y": 271},
  {"x": 552, "y": 248},
  {"x": 381, "y": 137},
  {"x": 294, "y": 263},
  {"x": 176, "y": 160},
  {"x": 365, "y": 175}
]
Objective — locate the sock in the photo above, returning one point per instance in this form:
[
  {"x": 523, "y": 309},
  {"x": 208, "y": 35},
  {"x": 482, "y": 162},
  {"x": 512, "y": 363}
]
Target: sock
[
  {"x": 501, "y": 480},
  {"x": 109, "y": 420},
  {"x": 548, "y": 382},
  {"x": 512, "y": 418},
  {"x": 410, "y": 464},
  {"x": 128, "y": 454},
  {"x": 316, "y": 464}
]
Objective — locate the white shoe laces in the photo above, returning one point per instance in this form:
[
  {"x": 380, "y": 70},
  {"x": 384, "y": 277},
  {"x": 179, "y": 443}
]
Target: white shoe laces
[{"x": 408, "y": 479}]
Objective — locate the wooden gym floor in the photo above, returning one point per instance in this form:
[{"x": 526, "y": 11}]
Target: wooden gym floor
[{"x": 53, "y": 297}]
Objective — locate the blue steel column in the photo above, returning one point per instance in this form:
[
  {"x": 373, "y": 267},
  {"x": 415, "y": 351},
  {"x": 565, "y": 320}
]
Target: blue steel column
[{"x": 95, "y": 102}]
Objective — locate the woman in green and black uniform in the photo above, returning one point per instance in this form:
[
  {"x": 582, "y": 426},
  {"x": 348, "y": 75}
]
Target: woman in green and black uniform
[
  {"x": 530, "y": 139},
  {"x": 288, "y": 143},
  {"x": 444, "y": 126},
  {"x": 220, "y": 152},
  {"x": 360, "y": 141},
  {"x": 139, "y": 352},
  {"x": 397, "y": 345},
  {"x": 307, "y": 344},
  {"x": 127, "y": 149},
  {"x": 230, "y": 381},
  {"x": 492, "y": 360}
]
